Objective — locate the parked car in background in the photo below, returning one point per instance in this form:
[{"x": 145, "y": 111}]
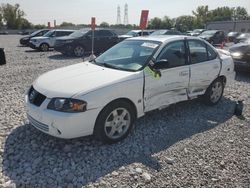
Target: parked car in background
[
  {"x": 80, "y": 42},
  {"x": 24, "y": 32},
  {"x": 213, "y": 36},
  {"x": 241, "y": 55},
  {"x": 106, "y": 95},
  {"x": 135, "y": 33},
  {"x": 231, "y": 36},
  {"x": 196, "y": 32},
  {"x": 25, "y": 40},
  {"x": 166, "y": 32},
  {"x": 47, "y": 41},
  {"x": 4, "y": 32},
  {"x": 242, "y": 37}
]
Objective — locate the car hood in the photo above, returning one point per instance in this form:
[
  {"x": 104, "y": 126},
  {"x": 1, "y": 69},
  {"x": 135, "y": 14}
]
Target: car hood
[
  {"x": 124, "y": 36},
  {"x": 80, "y": 78},
  {"x": 240, "y": 47},
  {"x": 205, "y": 36},
  {"x": 39, "y": 38}
]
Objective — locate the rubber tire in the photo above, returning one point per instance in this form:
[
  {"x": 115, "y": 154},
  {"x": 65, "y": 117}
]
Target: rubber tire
[
  {"x": 206, "y": 96},
  {"x": 99, "y": 132},
  {"x": 41, "y": 49},
  {"x": 76, "y": 54}
]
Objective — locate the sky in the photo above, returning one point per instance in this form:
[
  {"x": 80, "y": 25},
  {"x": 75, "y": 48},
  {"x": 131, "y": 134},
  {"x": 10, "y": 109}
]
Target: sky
[{"x": 81, "y": 11}]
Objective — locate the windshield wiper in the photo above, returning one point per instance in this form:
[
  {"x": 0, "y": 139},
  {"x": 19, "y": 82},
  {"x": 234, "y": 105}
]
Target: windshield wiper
[{"x": 111, "y": 66}]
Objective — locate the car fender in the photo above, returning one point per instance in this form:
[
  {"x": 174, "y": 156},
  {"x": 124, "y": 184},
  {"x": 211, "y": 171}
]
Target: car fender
[{"x": 129, "y": 89}]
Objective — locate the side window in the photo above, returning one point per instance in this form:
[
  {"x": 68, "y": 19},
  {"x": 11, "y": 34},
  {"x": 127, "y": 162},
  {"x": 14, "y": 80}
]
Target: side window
[
  {"x": 145, "y": 33},
  {"x": 105, "y": 33},
  {"x": 211, "y": 54},
  {"x": 198, "y": 51},
  {"x": 173, "y": 54}
]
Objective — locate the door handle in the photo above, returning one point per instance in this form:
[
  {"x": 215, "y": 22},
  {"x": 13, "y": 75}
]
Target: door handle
[
  {"x": 183, "y": 73},
  {"x": 216, "y": 66}
]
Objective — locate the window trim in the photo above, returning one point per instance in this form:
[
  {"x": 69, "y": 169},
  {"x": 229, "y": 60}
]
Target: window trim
[
  {"x": 189, "y": 55},
  {"x": 186, "y": 52}
]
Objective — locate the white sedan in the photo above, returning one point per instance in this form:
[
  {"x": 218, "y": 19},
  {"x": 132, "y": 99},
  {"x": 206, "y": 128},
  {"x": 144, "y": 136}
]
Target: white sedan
[{"x": 106, "y": 95}]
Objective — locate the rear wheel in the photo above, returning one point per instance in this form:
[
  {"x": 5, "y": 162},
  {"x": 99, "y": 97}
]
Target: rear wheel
[
  {"x": 44, "y": 47},
  {"x": 114, "y": 122},
  {"x": 214, "y": 92},
  {"x": 78, "y": 51}
]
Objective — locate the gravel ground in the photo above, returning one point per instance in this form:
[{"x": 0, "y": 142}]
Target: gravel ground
[{"x": 185, "y": 145}]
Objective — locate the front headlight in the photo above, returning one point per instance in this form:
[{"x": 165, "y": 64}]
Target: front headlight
[
  {"x": 67, "y": 105},
  {"x": 236, "y": 54}
]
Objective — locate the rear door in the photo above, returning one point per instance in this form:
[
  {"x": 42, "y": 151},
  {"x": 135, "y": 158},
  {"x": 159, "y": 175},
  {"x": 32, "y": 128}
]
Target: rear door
[{"x": 204, "y": 66}]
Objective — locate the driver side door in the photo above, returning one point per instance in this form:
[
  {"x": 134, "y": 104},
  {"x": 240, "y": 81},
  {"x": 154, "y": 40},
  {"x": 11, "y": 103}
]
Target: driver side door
[{"x": 172, "y": 86}]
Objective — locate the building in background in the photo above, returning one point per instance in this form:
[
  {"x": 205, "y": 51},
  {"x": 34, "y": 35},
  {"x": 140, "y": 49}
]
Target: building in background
[{"x": 242, "y": 26}]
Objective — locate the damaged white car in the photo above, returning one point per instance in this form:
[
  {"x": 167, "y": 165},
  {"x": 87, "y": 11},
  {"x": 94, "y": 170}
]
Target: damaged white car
[{"x": 106, "y": 95}]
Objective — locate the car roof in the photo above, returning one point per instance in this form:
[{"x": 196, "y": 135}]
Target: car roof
[
  {"x": 163, "y": 38},
  {"x": 63, "y": 30}
]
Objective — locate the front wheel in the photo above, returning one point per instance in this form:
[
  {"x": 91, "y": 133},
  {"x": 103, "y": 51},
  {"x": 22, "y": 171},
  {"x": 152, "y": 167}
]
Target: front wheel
[
  {"x": 214, "y": 92},
  {"x": 44, "y": 47},
  {"x": 114, "y": 122},
  {"x": 79, "y": 51}
]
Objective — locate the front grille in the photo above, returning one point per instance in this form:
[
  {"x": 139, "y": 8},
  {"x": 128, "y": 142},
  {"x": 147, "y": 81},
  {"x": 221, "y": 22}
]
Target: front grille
[
  {"x": 35, "y": 97},
  {"x": 38, "y": 125}
]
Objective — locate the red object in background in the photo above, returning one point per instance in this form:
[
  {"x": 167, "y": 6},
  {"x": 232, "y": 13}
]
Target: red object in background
[
  {"x": 49, "y": 26},
  {"x": 144, "y": 19},
  {"x": 93, "y": 23}
]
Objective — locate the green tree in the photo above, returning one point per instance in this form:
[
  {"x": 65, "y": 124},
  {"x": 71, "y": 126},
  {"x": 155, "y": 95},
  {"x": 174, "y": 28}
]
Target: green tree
[
  {"x": 155, "y": 23},
  {"x": 221, "y": 14},
  {"x": 185, "y": 23},
  {"x": 104, "y": 24},
  {"x": 12, "y": 15},
  {"x": 25, "y": 24},
  {"x": 67, "y": 24},
  {"x": 1, "y": 19},
  {"x": 202, "y": 16},
  {"x": 239, "y": 13},
  {"x": 166, "y": 23},
  {"x": 39, "y": 26}
]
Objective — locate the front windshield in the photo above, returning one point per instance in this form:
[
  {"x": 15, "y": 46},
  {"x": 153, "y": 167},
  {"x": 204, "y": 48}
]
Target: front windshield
[
  {"x": 130, "y": 55},
  {"x": 79, "y": 33},
  {"x": 48, "y": 34},
  {"x": 208, "y": 33},
  {"x": 159, "y": 32},
  {"x": 197, "y": 31},
  {"x": 35, "y": 32},
  {"x": 133, "y": 34}
]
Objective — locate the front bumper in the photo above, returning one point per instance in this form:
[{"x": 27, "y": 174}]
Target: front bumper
[
  {"x": 60, "y": 124},
  {"x": 33, "y": 46}
]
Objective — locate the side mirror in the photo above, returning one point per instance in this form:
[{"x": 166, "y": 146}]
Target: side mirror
[
  {"x": 161, "y": 64},
  {"x": 156, "y": 72}
]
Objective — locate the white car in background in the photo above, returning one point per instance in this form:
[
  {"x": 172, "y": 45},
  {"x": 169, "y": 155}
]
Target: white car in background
[
  {"x": 106, "y": 95},
  {"x": 47, "y": 41}
]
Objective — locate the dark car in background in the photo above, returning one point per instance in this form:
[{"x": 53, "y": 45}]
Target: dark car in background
[
  {"x": 135, "y": 33},
  {"x": 231, "y": 36},
  {"x": 25, "y": 40},
  {"x": 196, "y": 32},
  {"x": 242, "y": 37},
  {"x": 213, "y": 36},
  {"x": 241, "y": 55},
  {"x": 166, "y": 32},
  {"x": 79, "y": 43}
]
